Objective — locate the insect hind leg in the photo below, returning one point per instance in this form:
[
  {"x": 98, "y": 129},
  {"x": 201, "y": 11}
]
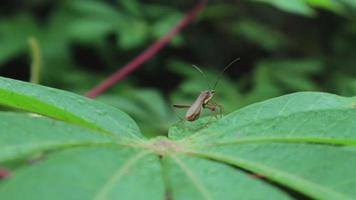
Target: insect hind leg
[
  {"x": 175, "y": 106},
  {"x": 214, "y": 107}
]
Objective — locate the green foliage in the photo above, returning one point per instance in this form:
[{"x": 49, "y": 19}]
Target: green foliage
[
  {"x": 88, "y": 150},
  {"x": 150, "y": 109}
]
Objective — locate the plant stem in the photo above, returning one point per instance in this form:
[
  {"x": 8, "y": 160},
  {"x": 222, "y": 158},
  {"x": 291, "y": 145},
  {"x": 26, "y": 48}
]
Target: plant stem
[
  {"x": 36, "y": 60},
  {"x": 148, "y": 53}
]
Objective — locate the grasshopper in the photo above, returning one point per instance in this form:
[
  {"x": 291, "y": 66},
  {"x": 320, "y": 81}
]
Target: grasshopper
[{"x": 203, "y": 100}]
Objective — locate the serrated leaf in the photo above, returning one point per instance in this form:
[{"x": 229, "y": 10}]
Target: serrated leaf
[{"x": 67, "y": 106}]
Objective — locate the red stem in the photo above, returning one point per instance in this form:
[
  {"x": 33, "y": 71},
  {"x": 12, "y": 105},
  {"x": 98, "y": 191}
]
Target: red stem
[
  {"x": 148, "y": 53},
  {"x": 4, "y": 173}
]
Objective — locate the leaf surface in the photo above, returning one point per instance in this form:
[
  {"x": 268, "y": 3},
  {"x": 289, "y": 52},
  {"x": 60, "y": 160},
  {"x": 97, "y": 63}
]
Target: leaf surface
[
  {"x": 89, "y": 173},
  {"x": 291, "y": 140},
  {"x": 22, "y": 135},
  {"x": 67, "y": 106},
  {"x": 285, "y": 115},
  {"x": 196, "y": 178}
]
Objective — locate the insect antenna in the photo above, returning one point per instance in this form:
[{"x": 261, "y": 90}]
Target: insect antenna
[
  {"x": 222, "y": 72},
  {"x": 205, "y": 77}
]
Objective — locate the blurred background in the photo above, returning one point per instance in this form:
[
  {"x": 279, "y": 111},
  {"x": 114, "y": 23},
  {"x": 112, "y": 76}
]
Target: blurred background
[{"x": 285, "y": 46}]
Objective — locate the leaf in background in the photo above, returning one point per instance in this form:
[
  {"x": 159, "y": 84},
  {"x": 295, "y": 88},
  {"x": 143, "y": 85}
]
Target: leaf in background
[
  {"x": 158, "y": 10},
  {"x": 93, "y": 8},
  {"x": 293, "y": 6},
  {"x": 14, "y": 33},
  {"x": 132, "y": 33},
  {"x": 133, "y": 6},
  {"x": 147, "y": 107},
  {"x": 260, "y": 34},
  {"x": 332, "y": 5},
  {"x": 165, "y": 24},
  {"x": 90, "y": 29},
  {"x": 93, "y": 20},
  {"x": 263, "y": 87},
  {"x": 294, "y": 74},
  {"x": 66, "y": 106},
  {"x": 351, "y": 3},
  {"x": 346, "y": 84}
]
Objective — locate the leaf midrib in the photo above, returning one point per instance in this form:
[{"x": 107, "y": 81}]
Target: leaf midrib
[
  {"x": 202, "y": 190},
  {"x": 103, "y": 192},
  {"x": 305, "y": 139},
  {"x": 297, "y": 183}
]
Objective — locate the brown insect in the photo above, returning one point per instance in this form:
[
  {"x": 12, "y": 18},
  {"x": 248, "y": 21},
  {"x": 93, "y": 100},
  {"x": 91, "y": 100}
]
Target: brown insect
[{"x": 203, "y": 100}]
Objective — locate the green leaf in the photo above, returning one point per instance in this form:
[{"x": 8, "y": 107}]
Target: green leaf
[
  {"x": 132, "y": 33},
  {"x": 293, "y": 74},
  {"x": 274, "y": 137},
  {"x": 14, "y": 33},
  {"x": 67, "y": 107},
  {"x": 205, "y": 179},
  {"x": 332, "y": 5},
  {"x": 89, "y": 173},
  {"x": 90, "y": 29},
  {"x": 94, "y": 8},
  {"x": 24, "y": 134},
  {"x": 302, "y": 105},
  {"x": 147, "y": 106},
  {"x": 351, "y": 3},
  {"x": 261, "y": 34},
  {"x": 163, "y": 25},
  {"x": 293, "y": 6},
  {"x": 322, "y": 172}
]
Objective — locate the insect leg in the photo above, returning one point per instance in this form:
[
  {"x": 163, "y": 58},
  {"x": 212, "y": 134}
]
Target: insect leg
[
  {"x": 180, "y": 106},
  {"x": 213, "y": 107}
]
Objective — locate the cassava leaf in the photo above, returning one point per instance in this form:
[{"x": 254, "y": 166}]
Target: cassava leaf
[
  {"x": 67, "y": 107},
  {"x": 281, "y": 139},
  {"x": 204, "y": 179},
  {"x": 281, "y": 108},
  {"x": 322, "y": 172},
  {"x": 23, "y": 135},
  {"x": 89, "y": 173}
]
